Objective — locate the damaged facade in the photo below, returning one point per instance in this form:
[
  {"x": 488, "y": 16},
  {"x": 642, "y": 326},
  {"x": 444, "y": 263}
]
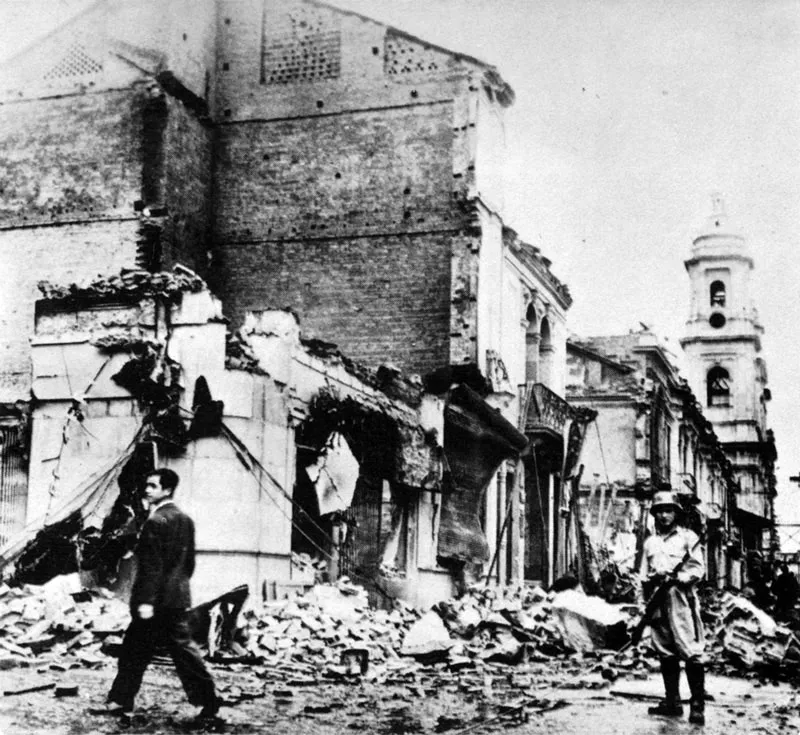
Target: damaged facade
[
  {"x": 130, "y": 379},
  {"x": 704, "y": 437},
  {"x": 299, "y": 159},
  {"x": 649, "y": 435}
]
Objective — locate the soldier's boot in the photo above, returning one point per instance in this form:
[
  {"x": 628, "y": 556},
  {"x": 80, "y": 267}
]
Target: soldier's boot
[
  {"x": 670, "y": 706},
  {"x": 696, "y": 674}
]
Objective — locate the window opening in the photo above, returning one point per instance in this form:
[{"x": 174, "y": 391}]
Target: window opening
[
  {"x": 717, "y": 293},
  {"x": 718, "y": 387}
]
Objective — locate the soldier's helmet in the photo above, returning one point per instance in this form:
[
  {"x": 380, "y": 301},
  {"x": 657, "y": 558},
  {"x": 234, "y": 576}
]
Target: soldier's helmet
[{"x": 665, "y": 499}]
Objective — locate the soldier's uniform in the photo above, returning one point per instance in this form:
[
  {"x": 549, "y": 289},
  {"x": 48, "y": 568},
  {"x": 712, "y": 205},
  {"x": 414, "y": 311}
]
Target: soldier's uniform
[{"x": 676, "y": 627}]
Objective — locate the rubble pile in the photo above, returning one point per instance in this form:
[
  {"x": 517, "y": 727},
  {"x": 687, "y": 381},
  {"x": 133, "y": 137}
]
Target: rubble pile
[
  {"x": 308, "y": 569},
  {"x": 132, "y": 282},
  {"x": 59, "y": 622},
  {"x": 750, "y": 637},
  {"x": 332, "y": 626},
  {"x": 331, "y": 633},
  {"x": 508, "y": 625},
  {"x": 324, "y": 629}
]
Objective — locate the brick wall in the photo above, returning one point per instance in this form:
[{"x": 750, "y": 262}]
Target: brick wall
[
  {"x": 187, "y": 187},
  {"x": 70, "y": 172},
  {"x": 381, "y": 299},
  {"x": 70, "y": 158},
  {"x": 352, "y": 174},
  {"x": 63, "y": 254},
  {"x": 347, "y": 219},
  {"x": 344, "y": 172}
]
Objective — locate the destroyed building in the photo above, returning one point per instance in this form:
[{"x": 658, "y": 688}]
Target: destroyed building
[
  {"x": 139, "y": 370},
  {"x": 649, "y": 434},
  {"x": 295, "y": 157},
  {"x": 705, "y": 436}
]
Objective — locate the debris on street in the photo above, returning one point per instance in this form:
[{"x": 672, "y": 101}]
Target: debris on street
[
  {"x": 752, "y": 637},
  {"x": 508, "y": 651}
]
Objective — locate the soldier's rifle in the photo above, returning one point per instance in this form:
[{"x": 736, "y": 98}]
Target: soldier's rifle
[{"x": 657, "y": 599}]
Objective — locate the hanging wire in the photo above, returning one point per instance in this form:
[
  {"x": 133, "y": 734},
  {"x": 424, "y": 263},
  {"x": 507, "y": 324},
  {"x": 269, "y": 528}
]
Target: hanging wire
[
  {"x": 83, "y": 494},
  {"x": 72, "y": 413},
  {"x": 612, "y": 506},
  {"x": 251, "y": 463}
]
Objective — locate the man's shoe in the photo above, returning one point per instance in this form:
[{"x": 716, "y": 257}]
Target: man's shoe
[
  {"x": 210, "y": 711},
  {"x": 112, "y": 709},
  {"x": 666, "y": 708},
  {"x": 208, "y": 721},
  {"x": 696, "y": 714}
]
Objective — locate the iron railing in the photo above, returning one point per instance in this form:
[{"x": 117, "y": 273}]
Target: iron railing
[{"x": 546, "y": 410}]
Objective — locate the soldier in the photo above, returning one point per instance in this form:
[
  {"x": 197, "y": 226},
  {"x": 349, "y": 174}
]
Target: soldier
[{"x": 673, "y": 555}]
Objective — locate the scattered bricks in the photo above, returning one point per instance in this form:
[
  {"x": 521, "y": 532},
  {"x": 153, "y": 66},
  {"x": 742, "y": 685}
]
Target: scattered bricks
[
  {"x": 108, "y": 623},
  {"x": 37, "y": 630},
  {"x": 91, "y": 660},
  {"x": 40, "y": 644},
  {"x": 14, "y": 648},
  {"x": 80, "y": 640},
  {"x": 587, "y": 622},
  {"x": 355, "y": 660},
  {"x": 427, "y": 636},
  {"x": 66, "y": 690},
  {"x": 33, "y": 611},
  {"x": 310, "y": 622}
]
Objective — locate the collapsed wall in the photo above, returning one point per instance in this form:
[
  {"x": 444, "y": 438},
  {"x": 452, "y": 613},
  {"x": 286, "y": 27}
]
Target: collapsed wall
[{"x": 137, "y": 371}]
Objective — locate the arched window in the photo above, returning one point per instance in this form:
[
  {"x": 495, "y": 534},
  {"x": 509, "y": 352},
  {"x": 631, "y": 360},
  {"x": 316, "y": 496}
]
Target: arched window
[
  {"x": 718, "y": 387},
  {"x": 717, "y": 293},
  {"x": 546, "y": 350},
  {"x": 531, "y": 346}
]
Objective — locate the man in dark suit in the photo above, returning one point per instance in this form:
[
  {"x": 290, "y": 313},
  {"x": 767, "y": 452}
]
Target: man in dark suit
[{"x": 160, "y": 600}]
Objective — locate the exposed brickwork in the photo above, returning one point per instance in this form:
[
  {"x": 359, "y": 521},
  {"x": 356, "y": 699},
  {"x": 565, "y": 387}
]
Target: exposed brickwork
[
  {"x": 341, "y": 185},
  {"x": 62, "y": 254},
  {"x": 76, "y": 174},
  {"x": 367, "y": 142},
  {"x": 349, "y": 220},
  {"x": 372, "y": 172},
  {"x": 346, "y": 63},
  {"x": 187, "y": 186},
  {"x": 381, "y": 299},
  {"x": 71, "y": 158}
]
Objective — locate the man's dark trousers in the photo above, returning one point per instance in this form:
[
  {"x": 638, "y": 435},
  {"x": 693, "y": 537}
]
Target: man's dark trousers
[{"x": 143, "y": 637}]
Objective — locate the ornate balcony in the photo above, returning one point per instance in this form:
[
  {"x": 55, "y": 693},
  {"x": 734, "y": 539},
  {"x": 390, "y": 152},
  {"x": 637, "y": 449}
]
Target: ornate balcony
[{"x": 545, "y": 411}]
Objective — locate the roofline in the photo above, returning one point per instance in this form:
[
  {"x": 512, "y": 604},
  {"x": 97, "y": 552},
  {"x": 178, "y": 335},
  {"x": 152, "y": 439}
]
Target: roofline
[
  {"x": 576, "y": 346},
  {"x": 459, "y": 56},
  {"x": 38, "y": 41},
  {"x": 394, "y": 29}
]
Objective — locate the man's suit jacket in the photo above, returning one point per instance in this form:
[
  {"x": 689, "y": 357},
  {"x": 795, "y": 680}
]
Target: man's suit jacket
[{"x": 165, "y": 555}]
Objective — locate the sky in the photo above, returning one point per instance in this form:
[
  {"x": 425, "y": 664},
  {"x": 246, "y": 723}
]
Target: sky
[{"x": 628, "y": 115}]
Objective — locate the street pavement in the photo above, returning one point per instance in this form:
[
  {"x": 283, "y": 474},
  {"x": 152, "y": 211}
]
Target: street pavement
[{"x": 737, "y": 706}]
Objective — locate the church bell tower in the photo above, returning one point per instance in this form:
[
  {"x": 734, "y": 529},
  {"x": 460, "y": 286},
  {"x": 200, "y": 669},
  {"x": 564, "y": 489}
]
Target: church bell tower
[{"x": 727, "y": 373}]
